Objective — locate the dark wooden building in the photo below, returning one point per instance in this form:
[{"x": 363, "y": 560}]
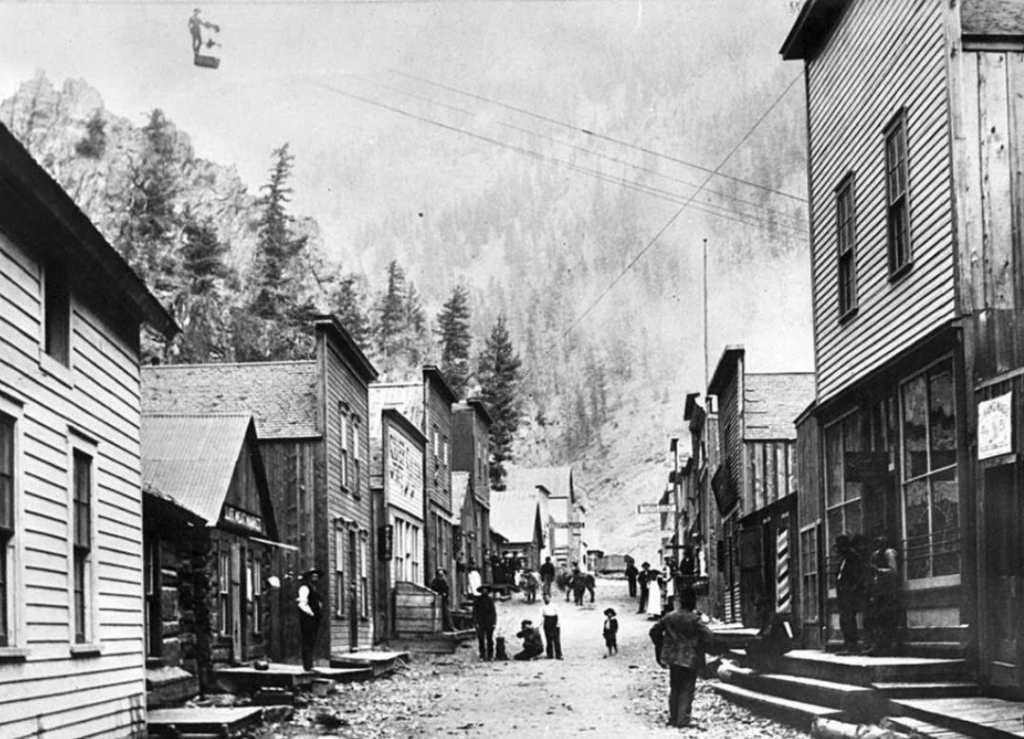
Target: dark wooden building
[
  {"x": 471, "y": 498},
  {"x": 914, "y": 125},
  {"x": 210, "y": 545},
  {"x": 312, "y": 423}
]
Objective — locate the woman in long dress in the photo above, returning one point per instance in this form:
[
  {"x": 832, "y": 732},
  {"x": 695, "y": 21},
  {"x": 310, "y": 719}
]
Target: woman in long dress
[{"x": 654, "y": 601}]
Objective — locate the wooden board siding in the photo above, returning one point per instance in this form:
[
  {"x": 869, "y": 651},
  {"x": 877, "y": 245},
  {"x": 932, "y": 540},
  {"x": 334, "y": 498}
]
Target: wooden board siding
[
  {"x": 97, "y": 397},
  {"x": 880, "y": 58},
  {"x": 730, "y": 425},
  {"x": 341, "y": 384},
  {"x": 438, "y": 533}
]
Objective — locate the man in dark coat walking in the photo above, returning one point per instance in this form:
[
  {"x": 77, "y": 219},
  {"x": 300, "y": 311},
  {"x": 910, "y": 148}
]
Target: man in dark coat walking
[
  {"x": 547, "y": 576},
  {"x": 643, "y": 580},
  {"x": 485, "y": 618},
  {"x": 680, "y": 641}
]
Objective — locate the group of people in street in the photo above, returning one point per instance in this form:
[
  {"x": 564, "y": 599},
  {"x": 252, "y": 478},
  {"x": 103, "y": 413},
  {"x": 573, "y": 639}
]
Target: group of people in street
[
  {"x": 653, "y": 589},
  {"x": 868, "y": 583}
]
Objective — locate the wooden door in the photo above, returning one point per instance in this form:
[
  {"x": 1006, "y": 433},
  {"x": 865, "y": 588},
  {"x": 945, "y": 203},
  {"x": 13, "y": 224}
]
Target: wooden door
[
  {"x": 752, "y": 563},
  {"x": 1003, "y": 594},
  {"x": 237, "y": 603},
  {"x": 353, "y": 590}
]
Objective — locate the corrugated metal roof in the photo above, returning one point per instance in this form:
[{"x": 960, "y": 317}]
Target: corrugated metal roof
[
  {"x": 460, "y": 489},
  {"x": 771, "y": 403},
  {"x": 514, "y": 514},
  {"x": 281, "y": 396},
  {"x": 190, "y": 458}
]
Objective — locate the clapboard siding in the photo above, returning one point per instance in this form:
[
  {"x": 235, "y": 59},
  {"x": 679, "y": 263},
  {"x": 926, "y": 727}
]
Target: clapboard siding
[
  {"x": 98, "y": 397},
  {"x": 881, "y": 57},
  {"x": 343, "y": 385}
]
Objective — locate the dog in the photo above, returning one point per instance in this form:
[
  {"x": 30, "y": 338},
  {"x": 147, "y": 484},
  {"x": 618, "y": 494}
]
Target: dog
[{"x": 500, "y": 653}]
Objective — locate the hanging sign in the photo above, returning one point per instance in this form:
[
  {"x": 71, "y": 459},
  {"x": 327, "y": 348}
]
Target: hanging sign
[{"x": 995, "y": 426}]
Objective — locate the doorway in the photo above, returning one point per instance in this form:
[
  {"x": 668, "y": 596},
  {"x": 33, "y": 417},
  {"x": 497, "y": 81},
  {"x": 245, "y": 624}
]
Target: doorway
[{"x": 1002, "y": 594}]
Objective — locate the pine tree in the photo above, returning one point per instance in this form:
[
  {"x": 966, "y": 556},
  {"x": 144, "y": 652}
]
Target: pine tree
[
  {"x": 200, "y": 307},
  {"x": 348, "y": 306},
  {"x": 415, "y": 338},
  {"x": 453, "y": 330},
  {"x": 499, "y": 381},
  {"x": 391, "y": 312}
]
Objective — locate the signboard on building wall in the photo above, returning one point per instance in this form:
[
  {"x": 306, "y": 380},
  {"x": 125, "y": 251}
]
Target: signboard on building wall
[
  {"x": 405, "y": 472},
  {"x": 995, "y": 426}
]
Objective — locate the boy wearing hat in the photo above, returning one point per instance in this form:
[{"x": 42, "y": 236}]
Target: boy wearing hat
[
  {"x": 533, "y": 645},
  {"x": 611, "y": 629}
]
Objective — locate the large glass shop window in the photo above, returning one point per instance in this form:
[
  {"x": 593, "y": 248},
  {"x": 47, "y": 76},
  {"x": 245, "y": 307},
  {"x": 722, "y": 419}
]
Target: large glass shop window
[{"x": 931, "y": 503}]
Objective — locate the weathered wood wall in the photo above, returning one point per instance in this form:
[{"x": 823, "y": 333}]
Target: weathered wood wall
[
  {"x": 881, "y": 58},
  {"x": 48, "y": 684}
]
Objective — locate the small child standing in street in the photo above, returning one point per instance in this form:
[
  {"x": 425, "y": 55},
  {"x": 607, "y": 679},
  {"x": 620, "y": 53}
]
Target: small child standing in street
[{"x": 611, "y": 629}]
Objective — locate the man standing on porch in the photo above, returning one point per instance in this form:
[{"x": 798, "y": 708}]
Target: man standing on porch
[
  {"x": 849, "y": 591},
  {"x": 310, "y": 610}
]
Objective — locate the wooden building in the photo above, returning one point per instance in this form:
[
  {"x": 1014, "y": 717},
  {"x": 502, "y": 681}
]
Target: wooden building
[
  {"x": 471, "y": 498},
  {"x": 914, "y": 124},
  {"x": 704, "y": 519},
  {"x": 208, "y": 602},
  {"x": 517, "y": 528},
  {"x": 397, "y": 479},
  {"x": 755, "y": 484},
  {"x": 313, "y": 429},
  {"x": 563, "y": 509},
  {"x": 72, "y": 657}
]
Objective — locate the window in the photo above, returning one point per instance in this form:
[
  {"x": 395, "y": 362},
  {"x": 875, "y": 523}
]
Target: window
[
  {"x": 344, "y": 443},
  {"x": 846, "y": 238},
  {"x": 224, "y": 589},
  {"x": 7, "y": 528},
  {"x": 931, "y": 499},
  {"x": 437, "y": 446},
  {"x": 809, "y": 574},
  {"x": 896, "y": 186},
  {"x": 444, "y": 452},
  {"x": 56, "y": 314},
  {"x": 356, "y": 465},
  {"x": 843, "y": 441},
  {"x": 364, "y": 581},
  {"x": 82, "y": 562},
  {"x": 257, "y": 593},
  {"x": 339, "y": 572}
]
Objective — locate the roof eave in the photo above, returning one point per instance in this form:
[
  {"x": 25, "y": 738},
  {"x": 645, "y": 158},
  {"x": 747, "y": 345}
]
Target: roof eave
[
  {"x": 432, "y": 372},
  {"x": 331, "y": 325},
  {"x": 815, "y": 22},
  {"x": 732, "y": 354}
]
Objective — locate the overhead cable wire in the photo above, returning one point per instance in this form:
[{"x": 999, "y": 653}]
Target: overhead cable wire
[
  {"x": 748, "y": 218},
  {"x": 597, "y": 135},
  {"x": 796, "y": 220},
  {"x": 632, "y": 263}
]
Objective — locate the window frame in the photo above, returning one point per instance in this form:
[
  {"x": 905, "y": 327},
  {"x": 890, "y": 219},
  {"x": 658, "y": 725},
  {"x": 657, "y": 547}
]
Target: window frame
[
  {"x": 897, "y": 198},
  {"x": 11, "y": 613},
  {"x": 929, "y": 477},
  {"x": 339, "y": 571},
  {"x": 364, "y": 580},
  {"x": 55, "y": 326},
  {"x": 355, "y": 463},
  {"x": 83, "y": 604},
  {"x": 343, "y": 445},
  {"x": 225, "y": 620},
  {"x": 257, "y": 591},
  {"x": 810, "y": 574},
  {"x": 846, "y": 503},
  {"x": 846, "y": 245}
]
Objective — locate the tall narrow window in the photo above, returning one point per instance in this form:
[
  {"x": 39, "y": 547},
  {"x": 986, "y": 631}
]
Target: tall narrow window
[
  {"x": 339, "y": 572},
  {"x": 57, "y": 314},
  {"x": 897, "y": 202},
  {"x": 6, "y": 525},
  {"x": 224, "y": 589},
  {"x": 931, "y": 497},
  {"x": 343, "y": 444},
  {"x": 82, "y": 522},
  {"x": 364, "y": 580},
  {"x": 844, "y": 440},
  {"x": 846, "y": 238},
  {"x": 257, "y": 593},
  {"x": 809, "y": 574},
  {"x": 354, "y": 447}
]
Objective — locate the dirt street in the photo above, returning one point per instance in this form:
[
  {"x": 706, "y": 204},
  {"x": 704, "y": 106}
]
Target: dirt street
[{"x": 586, "y": 694}]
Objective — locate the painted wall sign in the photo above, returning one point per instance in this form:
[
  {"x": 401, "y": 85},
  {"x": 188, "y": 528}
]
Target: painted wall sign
[{"x": 995, "y": 426}]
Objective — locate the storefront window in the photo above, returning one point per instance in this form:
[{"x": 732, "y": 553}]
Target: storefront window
[
  {"x": 931, "y": 500},
  {"x": 843, "y": 440}
]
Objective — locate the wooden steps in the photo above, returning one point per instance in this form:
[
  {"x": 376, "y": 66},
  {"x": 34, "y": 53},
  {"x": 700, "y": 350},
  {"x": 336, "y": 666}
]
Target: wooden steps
[
  {"x": 916, "y": 727},
  {"x": 797, "y": 713},
  {"x": 218, "y": 722},
  {"x": 977, "y": 716},
  {"x": 927, "y": 689},
  {"x": 247, "y": 679},
  {"x": 445, "y": 642},
  {"x": 377, "y": 662},
  {"x": 855, "y": 700}
]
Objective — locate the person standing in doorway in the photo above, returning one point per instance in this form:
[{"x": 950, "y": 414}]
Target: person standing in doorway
[
  {"x": 310, "y": 607},
  {"x": 850, "y": 591},
  {"x": 485, "y": 618},
  {"x": 643, "y": 580},
  {"x": 631, "y": 574},
  {"x": 440, "y": 586},
  {"x": 547, "y": 576},
  {"x": 552, "y": 631},
  {"x": 680, "y": 640}
]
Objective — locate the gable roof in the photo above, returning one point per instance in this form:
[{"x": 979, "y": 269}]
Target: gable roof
[
  {"x": 404, "y": 397},
  {"x": 63, "y": 232},
  {"x": 772, "y": 402},
  {"x": 191, "y": 458},
  {"x": 281, "y": 396},
  {"x": 515, "y": 514}
]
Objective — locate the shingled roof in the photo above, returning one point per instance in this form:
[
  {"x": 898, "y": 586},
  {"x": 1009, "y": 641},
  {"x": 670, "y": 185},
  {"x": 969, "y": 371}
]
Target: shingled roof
[
  {"x": 281, "y": 396},
  {"x": 771, "y": 403},
  {"x": 191, "y": 458}
]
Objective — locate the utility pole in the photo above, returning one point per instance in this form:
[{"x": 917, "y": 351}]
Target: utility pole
[
  {"x": 674, "y": 448},
  {"x": 705, "y": 270}
]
